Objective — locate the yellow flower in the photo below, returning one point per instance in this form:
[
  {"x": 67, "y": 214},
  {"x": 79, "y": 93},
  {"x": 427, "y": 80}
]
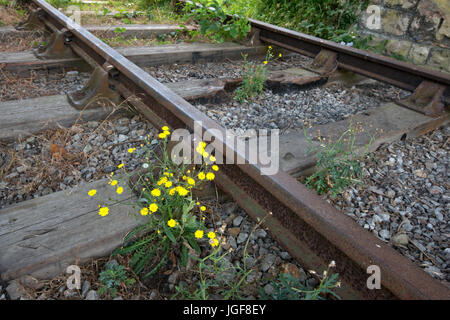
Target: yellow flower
[
  {"x": 205, "y": 154},
  {"x": 120, "y": 165},
  {"x": 211, "y": 235},
  {"x": 198, "y": 203},
  {"x": 198, "y": 234},
  {"x": 131, "y": 150},
  {"x": 114, "y": 182},
  {"x": 191, "y": 181},
  {"x": 210, "y": 176},
  {"x": 201, "y": 176},
  {"x": 212, "y": 158},
  {"x": 153, "y": 207},
  {"x": 168, "y": 184},
  {"x": 92, "y": 192},
  {"x": 182, "y": 191},
  {"x": 165, "y": 128},
  {"x": 103, "y": 211},
  {"x": 119, "y": 190},
  {"x": 156, "y": 192},
  {"x": 166, "y": 174},
  {"x": 161, "y": 135},
  {"x": 214, "y": 242},
  {"x": 144, "y": 211},
  {"x": 203, "y": 208},
  {"x": 167, "y": 133},
  {"x": 280, "y": 55},
  {"x": 172, "y": 191},
  {"x": 162, "y": 181},
  {"x": 171, "y": 223},
  {"x": 215, "y": 168},
  {"x": 270, "y": 47},
  {"x": 265, "y": 62}
]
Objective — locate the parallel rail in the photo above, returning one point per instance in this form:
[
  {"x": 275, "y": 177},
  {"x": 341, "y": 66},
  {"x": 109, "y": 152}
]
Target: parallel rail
[{"x": 311, "y": 230}]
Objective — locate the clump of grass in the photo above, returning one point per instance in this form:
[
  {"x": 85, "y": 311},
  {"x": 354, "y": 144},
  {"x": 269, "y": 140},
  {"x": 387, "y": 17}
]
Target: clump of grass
[
  {"x": 288, "y": 287},
  {"x": 338, "y": 164},
  {"x": 253, "y": 78}
]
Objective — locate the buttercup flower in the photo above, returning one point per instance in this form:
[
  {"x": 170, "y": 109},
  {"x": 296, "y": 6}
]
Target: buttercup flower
[
  {"x": 212, "y": 158},
  {"x": 162, "y": 181},
  {"x": 211, "y": 235},
  {"x": 131, "y": 150},
  {"x": 191, "y": 181},
  {"x": 92, "y": 192},
  {"x": 198, "y": 234},
  {"x": 182, "y": 191},
  {"x": 210, "y": 176},
  {"x": 172, "y": 191},
  {"x": 171, "y": 223},
  {"x": 165, "y": 128},
  {"x": 103, "y": 211},
  {"x": 156, "y": 192},
  {"x": 166, "y": 133},
  {"x": 119, "y": 190},
  {"x": 214, "y": 242},
  {"x": 168, "y": 184},
  {"x": 161, "y": 135},
  {"x": 144, "y": 211},
  {"x": 265, "y": 62},
  {"x": 203, "y": 208},
  {"x": 201, "y": 176},
  {"x": 215, "y": 168},
  {"x": 120, "y": 165},
  {"x": 113, "y": 183},
  {"x": 153, "y": 207}
]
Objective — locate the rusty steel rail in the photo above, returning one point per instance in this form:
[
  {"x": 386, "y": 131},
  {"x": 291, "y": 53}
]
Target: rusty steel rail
[
  {"x": 310, "y": 229},
  {"x": 400, "y": 74}
]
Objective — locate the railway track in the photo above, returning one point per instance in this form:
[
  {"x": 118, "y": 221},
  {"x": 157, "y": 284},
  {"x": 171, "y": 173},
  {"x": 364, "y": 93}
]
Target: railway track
[{"x": 310, "y": 229}]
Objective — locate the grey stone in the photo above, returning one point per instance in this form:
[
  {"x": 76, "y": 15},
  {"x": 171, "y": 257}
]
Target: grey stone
[
  {"x": 14, "y": 291},
  {"x": 237, "y": 221},
  {"x": 268, "y": 289},
  {"x": 267, "y": 262},
  {"x": 92, "y": 295},
  {"x": 85, "y": 288},
  {"x": 122, "y": 138},
  {"x": 242, "y": 237}
]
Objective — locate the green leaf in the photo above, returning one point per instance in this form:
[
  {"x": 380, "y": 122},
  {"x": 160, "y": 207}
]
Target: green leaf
[
  {"x": 193, "y": 243},
  {"x": 169, "y": 233}
]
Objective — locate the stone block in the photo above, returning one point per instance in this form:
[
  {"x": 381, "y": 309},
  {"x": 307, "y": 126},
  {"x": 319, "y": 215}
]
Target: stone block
[
  {"x": 398, "y": 47},
  {"x": 418, "y": 54},
  {"x": 394, "y": 22},
  {"x": 440, "y": 60}
]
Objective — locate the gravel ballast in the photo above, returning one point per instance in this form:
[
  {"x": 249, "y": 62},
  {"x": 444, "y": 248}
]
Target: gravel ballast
[
  {"x": 94, "y": 149},
  {"x": 405, "y": 199}
]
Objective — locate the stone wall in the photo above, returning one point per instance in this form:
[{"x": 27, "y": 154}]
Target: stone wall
[{"x": 414, "y": 30}]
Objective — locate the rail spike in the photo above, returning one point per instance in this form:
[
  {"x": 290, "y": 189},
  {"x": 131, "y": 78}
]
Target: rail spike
[
  {"x": 97, "y": 92},
  {"x": 34, "y": 21}
]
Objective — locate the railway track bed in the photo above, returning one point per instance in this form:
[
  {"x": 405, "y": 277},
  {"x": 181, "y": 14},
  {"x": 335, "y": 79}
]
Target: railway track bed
[{"x": 51, "y": 171}]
